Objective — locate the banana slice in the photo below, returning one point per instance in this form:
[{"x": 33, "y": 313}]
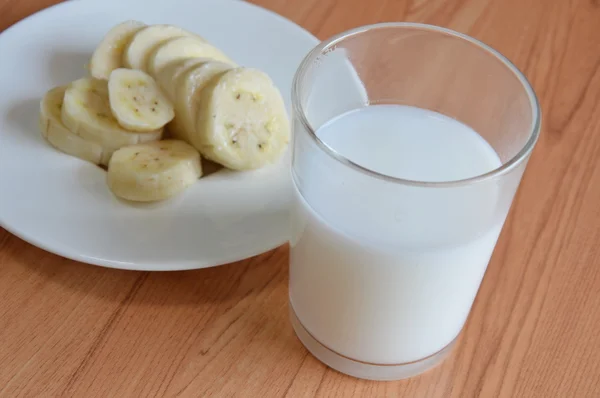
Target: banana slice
[
  {"x": 137, "y": 102},
  {"x": 169, "y": 75},
  {"x": 58, "y": 135},
  {"x": 108, "y": 56},
  {"x": 86, "y": 112},
  {"x": 146, "y": 40},
  {"x": 153, "y": 171},
  {"x": 189, "y": 86},
  {"x": 175, "y": 130},
  {"x": 242, "y": 120},
  {"x": 182, "y": 48}
]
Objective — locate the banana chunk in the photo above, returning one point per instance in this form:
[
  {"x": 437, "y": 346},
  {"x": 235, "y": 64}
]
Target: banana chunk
[
  {"x": 145, "y": 42},
  {"x": 58, "y": 135},
  {"x": 108, "y": 56},
  {"x": 153, "y": 171},
  {"x": 189, "y": 86},
  {"x": 86, "y": 112},
  {"x": 168, "y": 76},
  {"x": 182, "y": 48},
  {"x": 242, "y": 120},
  {"x": 137, "y": 101}
]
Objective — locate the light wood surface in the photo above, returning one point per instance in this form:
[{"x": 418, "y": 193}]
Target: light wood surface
[{"x": 73, "y": 330}]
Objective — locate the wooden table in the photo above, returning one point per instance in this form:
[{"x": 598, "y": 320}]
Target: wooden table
[{"x": 69, "y": 329}]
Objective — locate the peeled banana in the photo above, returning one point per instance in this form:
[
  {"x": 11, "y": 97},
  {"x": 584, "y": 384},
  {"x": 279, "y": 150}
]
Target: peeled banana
[
  {"x": 168, "y": 76},
  {"x": 231, "y": 115},
  {"x": 147, "y": 40},
  {"x": 108, "y": 56},
  {"x": 242, "y": 120},
  {"x": 58, "y": 135},
  {"x": 86, "y": 112},
  {"x": 137, "y": 102},
  {"x": 187, "y": 92},
  {"x": 182, "y": 48},
  {"x": 153, "y": 171}
]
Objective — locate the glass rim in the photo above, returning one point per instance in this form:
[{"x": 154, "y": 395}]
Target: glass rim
[{"x": 512, "y": 163}]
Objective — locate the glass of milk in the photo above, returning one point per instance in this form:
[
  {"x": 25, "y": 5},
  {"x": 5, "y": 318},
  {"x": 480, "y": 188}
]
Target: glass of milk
[{"x": 409, "y": 143}]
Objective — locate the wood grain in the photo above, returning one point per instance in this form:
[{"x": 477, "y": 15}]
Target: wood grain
[{"x": 73, "y": 330}]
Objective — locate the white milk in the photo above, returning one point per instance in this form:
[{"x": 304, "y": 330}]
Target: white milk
[{"x": 385, "y": 273}]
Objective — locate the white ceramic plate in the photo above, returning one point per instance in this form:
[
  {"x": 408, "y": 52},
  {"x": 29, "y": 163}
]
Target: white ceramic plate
[{"x": 62, "y": 204}]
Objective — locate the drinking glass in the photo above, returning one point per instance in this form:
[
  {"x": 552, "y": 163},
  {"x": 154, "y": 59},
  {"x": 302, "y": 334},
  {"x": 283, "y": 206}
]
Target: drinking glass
[{"x": 384, "y": 270}]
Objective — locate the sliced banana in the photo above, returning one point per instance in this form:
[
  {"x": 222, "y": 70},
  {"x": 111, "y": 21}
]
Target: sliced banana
[
  {"x": 86, "y": 112},
  {"x": 137, "y": 101},
  {"x": 108, "y": 56},
  {"x": 169, "y": 75},
  {"x": 58, "y": 135},
  {"x": 182, "y": 48},
  {"x": 242, "y": 120},
  {"x": 153, "y": 171},
  {"x": 189, "y": 86},
  {"x": 145, "y": 42},
  {"x": 175, "y": 130}
]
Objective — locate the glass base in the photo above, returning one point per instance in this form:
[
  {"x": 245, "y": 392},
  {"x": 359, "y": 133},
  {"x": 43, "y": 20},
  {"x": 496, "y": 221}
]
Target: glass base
[{"x": 365, "y": 370}]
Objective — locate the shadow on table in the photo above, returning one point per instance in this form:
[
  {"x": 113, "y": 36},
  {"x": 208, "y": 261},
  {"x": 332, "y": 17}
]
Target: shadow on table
[
  {"x": 228, "y": 283},
  {"x": 225, "y": 311}
]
